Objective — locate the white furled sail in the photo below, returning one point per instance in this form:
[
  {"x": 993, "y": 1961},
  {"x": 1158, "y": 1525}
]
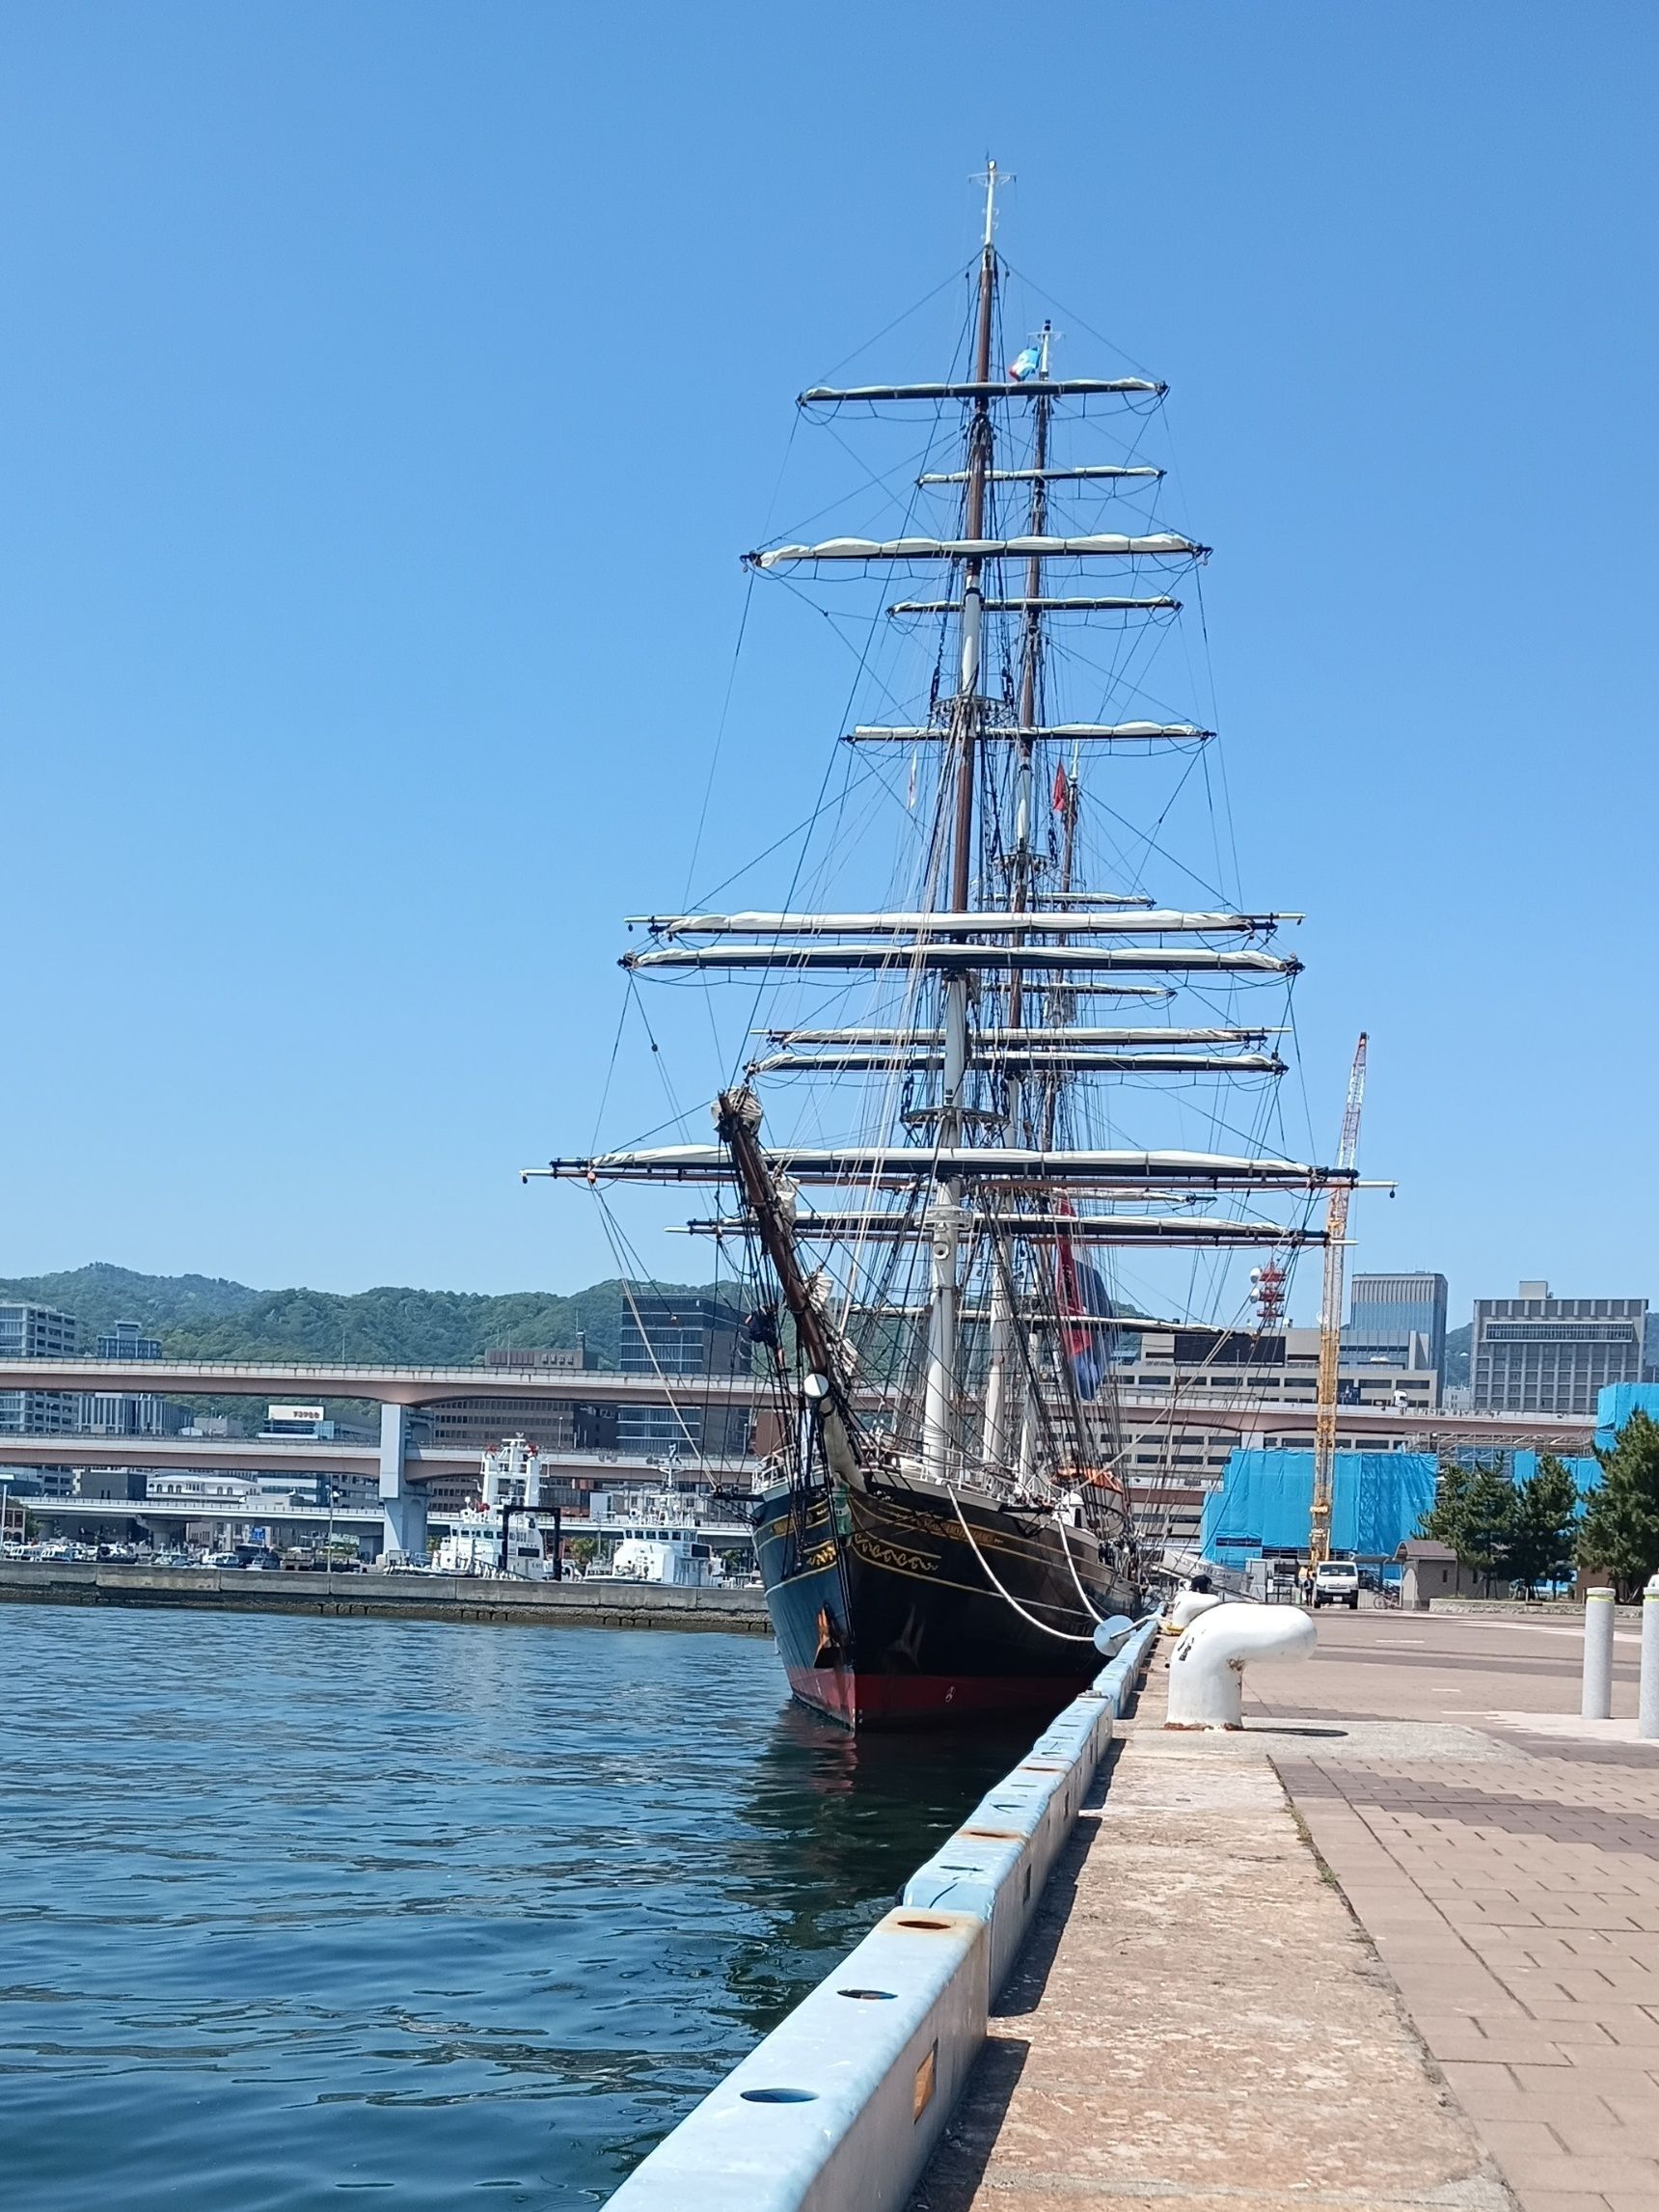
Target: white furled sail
[{"x": 1164, "y": 545}]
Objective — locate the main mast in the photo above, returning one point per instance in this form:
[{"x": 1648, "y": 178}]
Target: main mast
[
  {"x": 940, "y": 1437},
  {"x": 1007, "y": 1429}
]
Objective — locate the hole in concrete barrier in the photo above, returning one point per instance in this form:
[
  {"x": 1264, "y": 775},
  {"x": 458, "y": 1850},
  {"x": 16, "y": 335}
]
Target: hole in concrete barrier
[
  {"x": 937, "y": 1925},
  {"x": 1025, "y": 1900},
  {"x": 994, "y": 1835},
  {"x": 779, "y": 2096},
  {"x": 870, "y": 1996}
]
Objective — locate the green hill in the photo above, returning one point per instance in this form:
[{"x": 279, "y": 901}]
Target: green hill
[{"x": 203, "y": 1317}]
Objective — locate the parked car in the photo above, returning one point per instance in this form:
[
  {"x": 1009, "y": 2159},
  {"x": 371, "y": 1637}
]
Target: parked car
[{"x": 1336, "y": 1582}]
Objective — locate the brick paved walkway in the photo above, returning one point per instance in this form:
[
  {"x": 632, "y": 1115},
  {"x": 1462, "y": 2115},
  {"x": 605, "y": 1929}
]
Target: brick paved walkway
[{"x": 1508, "y": 1877}]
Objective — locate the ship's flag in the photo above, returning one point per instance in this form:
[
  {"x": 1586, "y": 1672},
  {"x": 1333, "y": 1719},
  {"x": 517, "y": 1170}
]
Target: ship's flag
[
  {"x": 1026, "y": 365},
  {"x": 1062, "y": 791},
  {"x": 1081, "y": 1296}
]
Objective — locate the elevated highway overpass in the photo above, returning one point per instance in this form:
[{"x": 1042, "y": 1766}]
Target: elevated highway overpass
[
  {"x": 404, "y": 1466},
  {"x": 408, "y": 1387}
]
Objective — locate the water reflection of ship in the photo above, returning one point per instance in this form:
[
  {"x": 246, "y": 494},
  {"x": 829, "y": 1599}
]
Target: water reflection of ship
[{"x": 839, "y": 1822}]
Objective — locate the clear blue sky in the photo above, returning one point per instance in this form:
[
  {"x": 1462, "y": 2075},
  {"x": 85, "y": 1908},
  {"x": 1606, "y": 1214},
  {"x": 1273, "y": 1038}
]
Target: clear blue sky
[{"x": 355, "y": 350}]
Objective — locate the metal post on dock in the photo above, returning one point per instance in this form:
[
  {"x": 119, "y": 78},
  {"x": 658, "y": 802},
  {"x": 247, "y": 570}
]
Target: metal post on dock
[
  {"x": 1598, "y": 1701},
  {"x": 1647, "y": 1697}
]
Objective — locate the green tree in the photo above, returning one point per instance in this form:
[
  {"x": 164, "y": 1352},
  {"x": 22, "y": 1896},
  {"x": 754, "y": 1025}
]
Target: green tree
[
  {"x": 1620, "y": 1533},
  {"x": 1476, "y": 1512},
  {"x": 1493, "y": 1513},
  {"x": 1546, "y": 1525},
  {"x": 1446, "y": 1520}
]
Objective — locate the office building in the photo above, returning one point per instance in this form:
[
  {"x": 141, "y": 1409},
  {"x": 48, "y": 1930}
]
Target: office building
[
  {"x": 666, "y": 1335},
  {"x": 130, "y": 1413},
  {"x": 128, "y": 1341},
  {"x": 1534, "y": 1354},
  {"x": 1385, "y": 1312},
  {"x": 38, "y": 1332},
  {"x": 533, "y": 1359}
]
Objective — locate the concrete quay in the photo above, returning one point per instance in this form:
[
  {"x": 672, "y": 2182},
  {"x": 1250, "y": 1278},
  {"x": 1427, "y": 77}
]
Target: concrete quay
[
  {"x": 379, "y": 1596},
  {"x": 1396, "y": 1945}
]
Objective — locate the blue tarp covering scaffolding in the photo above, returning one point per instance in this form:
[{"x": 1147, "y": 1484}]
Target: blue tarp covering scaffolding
[
  {"x": 1614, "y": 1403},
  {"x": 1266, "y": 1497}
]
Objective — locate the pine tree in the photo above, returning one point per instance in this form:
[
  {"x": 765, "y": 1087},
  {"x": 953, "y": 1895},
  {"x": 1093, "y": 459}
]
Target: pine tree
[
  {"x": 1493, "y": 1514},
  {"x": 1446, "y": 1520},
  {"x": 1620, "y": 1533},
  {"x": 1546, "y": 1510}
]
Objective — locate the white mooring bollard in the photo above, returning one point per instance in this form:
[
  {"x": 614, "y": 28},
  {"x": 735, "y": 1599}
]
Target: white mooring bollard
[
  {"x": 1207, "y": 1667},
  {"x": 1188, "y": 1607},
  {"x": 1596, "y": 1702},
  {"x": 1647, "y": 1697}
]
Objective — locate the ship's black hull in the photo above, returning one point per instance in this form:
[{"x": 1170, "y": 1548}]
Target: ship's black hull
[{"x": 886, "y": 1616}]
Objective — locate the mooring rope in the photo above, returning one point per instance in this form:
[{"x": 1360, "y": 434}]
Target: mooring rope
[
  {"x": 1066, "y": 1635},
  {"x": 1066, "y": 1547}
]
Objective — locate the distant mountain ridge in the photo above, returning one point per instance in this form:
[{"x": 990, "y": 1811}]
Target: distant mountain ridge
[{"x": 206, "y": 1317}]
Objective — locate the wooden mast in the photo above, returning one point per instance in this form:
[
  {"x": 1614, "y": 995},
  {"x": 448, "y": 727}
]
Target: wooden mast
[
  {"x": 940, "y": 1437},
  {"x": 1004, "y": 1435}
]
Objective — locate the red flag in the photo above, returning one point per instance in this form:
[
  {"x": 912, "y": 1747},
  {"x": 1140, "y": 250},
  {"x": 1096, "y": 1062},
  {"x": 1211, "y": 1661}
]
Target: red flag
[{"x": 1062, "y": 791}]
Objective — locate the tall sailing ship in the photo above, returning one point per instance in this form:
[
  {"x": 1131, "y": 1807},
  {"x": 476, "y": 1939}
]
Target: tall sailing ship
[{"x": 924, "y": 1175}]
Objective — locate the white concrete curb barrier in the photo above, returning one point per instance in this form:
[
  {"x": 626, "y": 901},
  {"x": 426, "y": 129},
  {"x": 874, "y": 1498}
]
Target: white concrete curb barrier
[
  {"x": 1597, "y": 1702},
  {"x": 839, "y": 2107},
  {"x": 1207, "y": 1667},
  {"x": 998, "y": 1860},
  {"x": 841, "y": 2104}
]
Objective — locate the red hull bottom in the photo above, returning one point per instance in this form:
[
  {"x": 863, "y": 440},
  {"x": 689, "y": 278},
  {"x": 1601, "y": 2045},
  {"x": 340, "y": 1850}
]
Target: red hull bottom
[{"x": 909, "y": 1701}]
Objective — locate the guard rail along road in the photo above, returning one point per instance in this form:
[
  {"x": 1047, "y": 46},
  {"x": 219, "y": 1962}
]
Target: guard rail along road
[{"x": 838, "y": 2109}]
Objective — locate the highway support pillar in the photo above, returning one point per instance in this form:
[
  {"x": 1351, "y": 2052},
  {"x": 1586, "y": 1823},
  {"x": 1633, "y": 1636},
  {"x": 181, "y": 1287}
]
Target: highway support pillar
[{"x": 403, "y": 1503}]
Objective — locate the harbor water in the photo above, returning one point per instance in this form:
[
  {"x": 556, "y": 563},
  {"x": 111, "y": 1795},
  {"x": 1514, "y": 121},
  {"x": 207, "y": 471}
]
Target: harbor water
[{"x": 298, "y": 1907}]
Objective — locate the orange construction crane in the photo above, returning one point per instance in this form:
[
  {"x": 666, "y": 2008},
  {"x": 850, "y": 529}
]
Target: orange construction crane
[{"x": 1331, "y": 1320}]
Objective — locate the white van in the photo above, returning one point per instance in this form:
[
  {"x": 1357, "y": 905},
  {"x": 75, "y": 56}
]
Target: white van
[{"x": 1336, "y": 1582}]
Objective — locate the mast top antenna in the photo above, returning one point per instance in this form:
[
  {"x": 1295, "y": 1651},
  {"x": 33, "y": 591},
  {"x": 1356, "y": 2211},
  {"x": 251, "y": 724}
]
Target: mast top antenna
[{"x": 991, "y": 176}]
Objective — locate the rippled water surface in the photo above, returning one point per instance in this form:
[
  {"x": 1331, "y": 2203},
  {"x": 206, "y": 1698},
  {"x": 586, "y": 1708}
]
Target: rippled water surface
[{"x": 292, "y": 1907}]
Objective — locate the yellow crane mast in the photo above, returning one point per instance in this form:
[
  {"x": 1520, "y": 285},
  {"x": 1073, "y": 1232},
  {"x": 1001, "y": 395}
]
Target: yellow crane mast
[{"x": 1331, "y": 1320}]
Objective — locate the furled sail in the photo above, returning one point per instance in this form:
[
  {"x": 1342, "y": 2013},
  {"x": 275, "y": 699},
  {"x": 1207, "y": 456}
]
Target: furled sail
[
  {"x": 1163, "y": 545},
  {"x": 1038, "y": 605},
  {"x": 899, "y": 1166},
  {"x": 996, "y": 921},
  {"x": 961, "y": 959},
  {"x": 1109, "y": 470},
  {"x": 1049, "y": 388},
  {"x": 1057, "y": 733}
]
